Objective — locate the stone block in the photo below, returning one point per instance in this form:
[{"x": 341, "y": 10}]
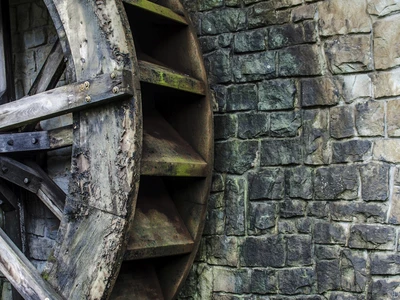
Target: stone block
[
  {"x": 360, "y": 212},
  {"x": 356, "y": 87},
  {"x": 393, "y": 121},
  {"x": 218, "y": 94},
  {"x": 292, "y": 208},
  {"x": 319, "y": 209},
  {"x": 218, "y": 66},
  {"x": 353, "y": 269},
  {"x": 384, "y": 289},
  {"x": 369, "y": 117},
  {"x": 262, "y": 14},
  {"x": 329, "y": 233},
  {"x": 387, "y": 150},
  {"x": 346, "y": 296},
  {"x": 316, "y": 137},
  {"x": 386, "y": 84},
  {"x": 300, "y": 182},
  {"x": 209, "y": 4},
  {"x": 40, "y": 248},
  {"x": 301, "y": 60},
  {"x": 394, "y": 216},
  {"x": 262, "y": 216},
  {"x": 34, "y": 38},
  {"x": 351, "y": 151},
  {"x": 216, "y": 200},
  {"x": 299, "y": 250},
  {"x": 304, "y": 12},
  {"x": 349, "y": 54},
  {"x": 372, "y": 237},
  {"x": 266, "y": 184},
  {"x": 231, "y": 280},
  {"x": 215, "y": 222},
  {"x": 386, "y": 39},
  {"x": 320, "y": 91},
  {"x": 235, "y": 197},
  {"x": 266, "y": 251},
  {"x": 281, "y": 152},
  {"x": 385, "y": 263},
  {"x": 23, "y": 16},
  {"x": 235, "y": 156},
  {"x": 222, "y": 251},
  {"x": 218, "y": 183},
  {"x": 252, "y": 125},
  {"x": 39, "y": 15},
  {"x": 287, "y": 226},
  {"x": 277, "y": 94},
  {"x": 287, "y": 35},
  {"x": 254, "y": 66},
  {"x": 343, "y": 17},
  {"x": 223, "y": 21},
  {"x": 374, "y": 181},
  {"x": 251, "y": 41},
  {"x": 383, "y": 7},
  {"x": 241, "y": 97},
  {"x": 336, "y": 182},
  {"x": 263, "y": 281},
  {"x": 328, "y": 275},
  {"x": 296, "y": 281},
  {"x": 225, "y": 126},
  {"x": 304, "y": 225},
  {"x": 324, "y": 252},
  {"x": 285, "y": 124},
  {"x": 342, "y": 121}
]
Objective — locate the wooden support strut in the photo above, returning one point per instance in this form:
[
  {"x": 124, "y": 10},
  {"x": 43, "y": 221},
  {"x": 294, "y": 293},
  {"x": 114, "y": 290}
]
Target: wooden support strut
[{"x": 65, "y": 99}]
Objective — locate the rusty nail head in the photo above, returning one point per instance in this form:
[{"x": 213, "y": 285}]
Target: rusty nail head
[
  {"x": 34, "y": 140},
  {"x": 10, "y": 142},
  {"x": 26, "y": 180},
  {"x": 115, "y": 90},
  {"x": 113, "y": 75},
  {"x": 88, "y": 99},
  {"x": 87, "y": 84}
]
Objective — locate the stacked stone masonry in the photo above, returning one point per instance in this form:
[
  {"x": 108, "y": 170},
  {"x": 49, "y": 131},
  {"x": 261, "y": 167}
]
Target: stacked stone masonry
[{"x": 305, "y": 200}]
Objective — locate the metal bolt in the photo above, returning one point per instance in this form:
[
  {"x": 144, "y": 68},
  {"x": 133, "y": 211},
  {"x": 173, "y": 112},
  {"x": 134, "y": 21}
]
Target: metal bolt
[
  {"x": 87, "y": 84},
  {"x": 10, "y": 142},
  {"x": 113, "y": 75},
  {"x": 115, "y": 90},
  {"x": 4, "y": 169},
  {"x": 88, "y": 99},
  {"x": 34, "y": 141},
  {"x": 26, "y": 180}
]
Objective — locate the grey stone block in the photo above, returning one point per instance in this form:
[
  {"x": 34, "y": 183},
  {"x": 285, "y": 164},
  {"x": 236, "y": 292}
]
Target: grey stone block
[
  {"x": 375, "y": 182},
  {"x": 266, "y": 184},
  {"x": 385, "y": 263},
  {"x": 223, "y": 21},
  {"x": 351, "y": 151},
  {"x": 241, "y": 97},
  {"x": 250, "y": 41},
  {"x": 263, "y": 251},
  {"x": 225, "y": 126},
  {"x": 329, "y": 233},
  {"x": 372, "y": 237},
  {"x": 302, "y": 60},
  {"x": 218, "y": 65},
  {"x": 262, "y": 216},
  {"x": 292, "y": 208},
  {"x": 222, "y": 251},
  {"x": 354, "y": 273},
  {"x": 328, "y": 275},
  {"x": 253, "y": 125},
  {"x": 235, "y": 157},
  {"x": 342, "y": 121},
  {"x": 281, "y": 152},
  {"x": 285, "y": 124},
  {"x": 263, "y": 281},
  {"x": 254, "y": 66},
  {"x": 235, "y": 194},
  {"x": 320, "y": 91},
  {"x": 296, "y": 281},
  {"x": 300, "y": 182},
  {"x": 361, "y": 212},
  {"x": 299, "y": 250},
  {"x": 277, "y": 94}
]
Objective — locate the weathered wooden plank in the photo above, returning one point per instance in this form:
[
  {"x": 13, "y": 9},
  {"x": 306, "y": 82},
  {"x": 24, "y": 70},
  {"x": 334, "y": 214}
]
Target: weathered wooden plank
[
  {"x": 21, "y": 273},
  {"x": 158, "y": 10},
  {"x": 60, "y": 137},
  {"x": 23, "y": 142},
  {"x": 49, "y": 192},
  {"x": 50, "y": 72},
  {"x": 138, "y": 281},
  {"x": 7, "y": 93},
  {"x": 165, "y": 153},
  {"x": 158, "y": 229},
  {"x": 62, "y": 100},
  {"x": 163, "y": 76}
]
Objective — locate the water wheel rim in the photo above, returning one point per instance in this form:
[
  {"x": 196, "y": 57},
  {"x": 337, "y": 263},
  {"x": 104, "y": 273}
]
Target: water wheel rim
[{"x": 121, "y": 64}]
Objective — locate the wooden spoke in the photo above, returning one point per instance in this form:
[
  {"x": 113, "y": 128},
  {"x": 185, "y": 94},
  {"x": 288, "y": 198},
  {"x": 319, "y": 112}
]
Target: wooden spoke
[
  {"x": 6, "y": 66},
  {"x": 35, "y": 180},
  {"x": 21, "y": 273},
  {"x": 165, "y": 153},
  {"x": 140, "y": 284},
  {"x": 65, "y": 99},
  {"x": 158, "y": 11},
  {"x": 158, "y": 230},
  {"x": 50, "y": 72},
  {"x": 159, "y": 75}
]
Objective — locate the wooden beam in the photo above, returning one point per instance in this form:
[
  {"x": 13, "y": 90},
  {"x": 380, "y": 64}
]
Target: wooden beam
[
  {"x": 65, "y": 99},
  {"x": 160, "y": 75},
  {"x": 158, "y": 11},
  {"x": 21, "y": 273},
  {"x": 8, "y": 196},
  {"x": 50, "y": 72},
  {"x": 24, "y": 142},
  {"x": 7, "y": 93}
]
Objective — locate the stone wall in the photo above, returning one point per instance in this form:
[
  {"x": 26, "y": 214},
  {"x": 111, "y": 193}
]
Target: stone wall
[{"x": 305, "y": 202}]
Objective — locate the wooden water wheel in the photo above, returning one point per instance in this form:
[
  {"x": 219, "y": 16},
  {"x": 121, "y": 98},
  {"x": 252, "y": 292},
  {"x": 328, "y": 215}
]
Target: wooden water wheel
[{"x": 141, "y": 159}]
